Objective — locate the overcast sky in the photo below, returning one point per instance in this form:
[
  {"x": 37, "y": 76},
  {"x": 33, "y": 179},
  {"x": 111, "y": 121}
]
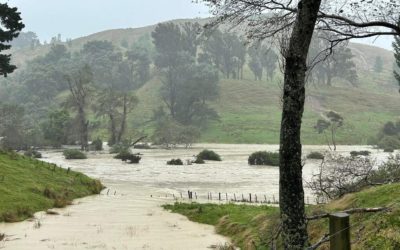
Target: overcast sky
[{"x": 76, "y": 18}]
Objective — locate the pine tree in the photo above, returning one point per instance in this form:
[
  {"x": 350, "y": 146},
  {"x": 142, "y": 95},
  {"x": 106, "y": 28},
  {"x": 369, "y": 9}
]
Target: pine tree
[{"x": 11, "y": 25}]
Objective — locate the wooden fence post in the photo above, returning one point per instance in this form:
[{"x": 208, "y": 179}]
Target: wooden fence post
[{"x": 339, "y": 231}]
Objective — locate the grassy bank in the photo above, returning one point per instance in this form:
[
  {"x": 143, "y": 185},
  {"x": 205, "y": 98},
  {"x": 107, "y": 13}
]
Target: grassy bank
[
  {"x": 28, "y": 185},
  {"x": 252, "y": 227}
]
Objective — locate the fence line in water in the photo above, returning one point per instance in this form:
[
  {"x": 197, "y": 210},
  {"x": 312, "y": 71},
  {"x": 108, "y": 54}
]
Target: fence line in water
[{"x": 236, "y": 197}]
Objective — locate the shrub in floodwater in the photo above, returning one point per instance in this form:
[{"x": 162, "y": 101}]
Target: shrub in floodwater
[
  {"x": 175, "y": 162},
  {"x": 74, "y": 154},
  {"x": 315, "y": 156},
  {"x": 97, "y": 145},
  {"x": 33, "y": 153},
  {"x": 360, "y": 153},
  {"x": 208, "y": 155},
  {"x": 199, "y": 161},
  {"x": 264, "y": 158},
  {"x": 389, "y": 143},
  {"x": 388, "y": 150},
  {"x": 128, "y": 156}
]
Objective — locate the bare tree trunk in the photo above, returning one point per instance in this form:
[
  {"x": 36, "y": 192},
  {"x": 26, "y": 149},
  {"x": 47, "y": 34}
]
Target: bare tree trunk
[
  {"x": 123, "y": 120},
  {"x": 291, "y": 195},
  {"x": 113, "y": 138},
  {"x": 83, "y": 127}
]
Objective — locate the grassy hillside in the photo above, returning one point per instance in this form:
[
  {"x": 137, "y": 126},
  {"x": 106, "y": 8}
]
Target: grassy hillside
[
  {"x": 28, "y": 185},
  {"x": 250, "y": 111},
  {"x": 251, "y": 227}
]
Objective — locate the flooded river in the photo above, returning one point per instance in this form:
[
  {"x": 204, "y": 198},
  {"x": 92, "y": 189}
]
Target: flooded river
[{"x": 127, "y": 215}]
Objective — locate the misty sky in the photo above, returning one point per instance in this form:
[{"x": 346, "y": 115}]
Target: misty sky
[{"x": 76, "y": 18}]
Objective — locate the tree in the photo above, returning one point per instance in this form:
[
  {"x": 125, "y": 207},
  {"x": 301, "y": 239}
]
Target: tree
[
  {"x": 344, "y": 20},
  {"x": 12, "y": 126},
  {"x": 56, "y": 127},
  {"x": 332, "y": 122},
  {"x": 396, "y": 48},
  {"x": 26, "y": 40},
  {"x": 11, "y": 25},
  {"x": 227, "y": 52},
  {"x": 339, "y": 64},
  {"x": 79, "y": 81},
  {"x": 116, "y": 76},
  {"x": 187, "y": 85}
]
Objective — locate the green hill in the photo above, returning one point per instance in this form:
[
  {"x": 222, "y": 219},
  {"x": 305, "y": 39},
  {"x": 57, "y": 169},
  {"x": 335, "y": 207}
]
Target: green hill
[
  {"x": 250, "y": 111},
  {"x": 28, "y": 185}
]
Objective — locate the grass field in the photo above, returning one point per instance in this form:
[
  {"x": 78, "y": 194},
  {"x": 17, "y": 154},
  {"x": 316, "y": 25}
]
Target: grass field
[
  {"x": 252, "y": 227},
  {"x": 250, "y": 111},
  {"x": 28, "y": 185}
]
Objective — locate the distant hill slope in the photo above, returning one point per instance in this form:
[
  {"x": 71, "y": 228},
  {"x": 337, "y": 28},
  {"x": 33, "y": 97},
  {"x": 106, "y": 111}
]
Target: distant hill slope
[{"x": 250, "y": 111}]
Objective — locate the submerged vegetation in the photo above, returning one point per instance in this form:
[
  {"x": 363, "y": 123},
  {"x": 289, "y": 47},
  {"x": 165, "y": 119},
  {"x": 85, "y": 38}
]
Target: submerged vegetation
[
  {"x": 128, "y": 157},
  {"x": 175, "y": 162},
  {"x": 28, "y": 185},
  {"x": 315, "y": 156},
  {"x": 208, "y": 155},
  {"x": 264, "y": 158},
  {"x": 74, "y": 154}
]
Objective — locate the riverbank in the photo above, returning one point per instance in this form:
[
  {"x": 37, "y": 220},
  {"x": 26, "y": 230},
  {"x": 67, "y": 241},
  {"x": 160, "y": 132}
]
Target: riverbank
[
  {"x": 253, "y": 227},
  {"x": 28, "y": 185},
  {"x": 128, "y": 214}
]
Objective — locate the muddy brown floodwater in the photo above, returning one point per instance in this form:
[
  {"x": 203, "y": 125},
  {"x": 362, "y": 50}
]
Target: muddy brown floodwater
[{"x": 127, "y": 215}]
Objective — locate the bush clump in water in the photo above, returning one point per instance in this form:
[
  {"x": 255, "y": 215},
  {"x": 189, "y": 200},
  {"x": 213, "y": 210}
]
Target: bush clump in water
[
  {"x": 388, "y": 150},
  {"x": 128, "y": 156},
  {"x": 75, "y": 154},
  {"x": 33, "y": 153},
  {"x": 315, "y": 156},
  {"x": 175, "y": 162},
  {"x": 208, "y": 155},
  {"x": 97, "y": 145},
  {"x": 264, "y": 158},
  {"x": 360, "y": 153},
  {"x": 389, "y": 143},
  {"x": 199, "y": 161}
]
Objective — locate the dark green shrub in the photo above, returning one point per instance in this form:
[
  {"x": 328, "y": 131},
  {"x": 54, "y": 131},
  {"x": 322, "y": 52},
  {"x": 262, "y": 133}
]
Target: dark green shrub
[
  {"x": 175, "y": 162},
  {"x": 388, "y": 150},
  {"x": 315, "y": 156},
  {"x": 208, "y": 155},
  {"x": 128, "y": 157},
  {"x": 123, "y": 155},
  {"x": 360, "y": 153},
  {"x": 389, "y": 142},
  {"x": 33, "y": 153},
  {"x": 74, "y": 154},
  {"x": 264, "y": 158},
  {"x": 199, "y": 161},
  {"x": 97, "y": 145}
]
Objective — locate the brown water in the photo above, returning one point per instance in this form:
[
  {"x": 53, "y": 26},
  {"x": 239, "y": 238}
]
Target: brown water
[{"x": 130, "y": 216}]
